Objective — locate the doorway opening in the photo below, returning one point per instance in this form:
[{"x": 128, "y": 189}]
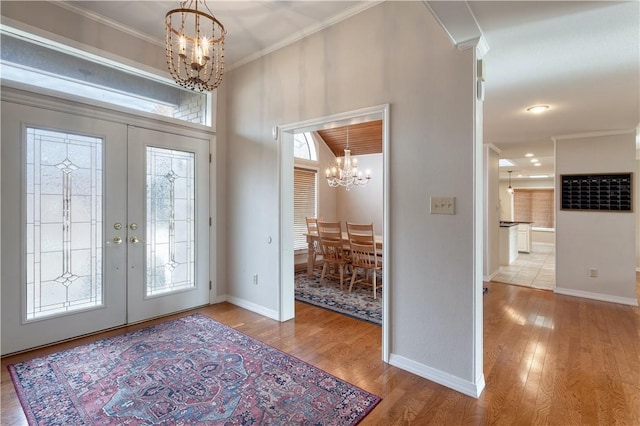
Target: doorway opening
[{"x": 286, "y": 136}]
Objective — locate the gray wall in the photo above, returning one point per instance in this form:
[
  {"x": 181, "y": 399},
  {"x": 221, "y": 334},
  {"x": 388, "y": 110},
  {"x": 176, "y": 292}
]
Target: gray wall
[
  {"x": 392, "y": 53},
  {"x": 605, "y": 241},
  {"x": 492, "y": 219}
]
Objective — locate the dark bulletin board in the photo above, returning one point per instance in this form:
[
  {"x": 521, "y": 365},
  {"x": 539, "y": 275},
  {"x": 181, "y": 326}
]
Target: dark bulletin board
[{"x": 599, "y": 192}]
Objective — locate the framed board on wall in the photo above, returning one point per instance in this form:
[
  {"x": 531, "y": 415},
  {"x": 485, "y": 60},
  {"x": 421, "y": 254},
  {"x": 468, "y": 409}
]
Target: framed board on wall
[{"x": 597, "y": 192}]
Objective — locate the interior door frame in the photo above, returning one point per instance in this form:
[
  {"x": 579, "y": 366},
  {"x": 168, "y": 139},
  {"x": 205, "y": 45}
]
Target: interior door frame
[{"x": 284, "y": 135}]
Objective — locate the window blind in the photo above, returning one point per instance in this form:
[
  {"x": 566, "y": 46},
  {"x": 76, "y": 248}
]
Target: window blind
[
  {"x": 304, "y": 204},
  {"x": 534, "y": 205}
]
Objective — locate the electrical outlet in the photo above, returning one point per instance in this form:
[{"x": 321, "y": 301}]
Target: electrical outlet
[
  {"x": 443, "y": 205},
  {"x": 255, "y": 279},
  {"x": 593, "y": 273}
]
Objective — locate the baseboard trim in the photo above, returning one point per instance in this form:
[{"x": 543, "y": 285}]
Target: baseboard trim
[
  {"x": 250, "y": 306},
  {"x": 219, "y": 299},
  {"x": 491, "y": 277},
  {"x": 445, "y": 379},
  {"x": 596, "y": 296}
]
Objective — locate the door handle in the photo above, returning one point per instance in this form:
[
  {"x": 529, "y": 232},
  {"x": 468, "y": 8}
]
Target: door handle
[
  {"x": 117, "y": 240},
  {"x": 134, "y": 240}
]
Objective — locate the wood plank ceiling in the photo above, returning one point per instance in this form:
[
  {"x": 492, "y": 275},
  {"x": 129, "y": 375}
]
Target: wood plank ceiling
[{"x": 364, "y": 138}]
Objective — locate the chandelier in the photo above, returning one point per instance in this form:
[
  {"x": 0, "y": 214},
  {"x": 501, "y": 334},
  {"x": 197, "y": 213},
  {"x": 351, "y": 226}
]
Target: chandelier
[
  {"x": 345, "y": 171},
  {"x": 195, "y": 46}
]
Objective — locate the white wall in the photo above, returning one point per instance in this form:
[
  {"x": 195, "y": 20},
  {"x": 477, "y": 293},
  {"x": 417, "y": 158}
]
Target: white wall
[
  {"x": 636, "y": 208},
  {"x": 363, "y": 204},
  {"x": 327, "y": 196},
  {"x": 605, "y": 241},
  {"x": 492, "y": 219},
  {"x": 430, "y": 85}
]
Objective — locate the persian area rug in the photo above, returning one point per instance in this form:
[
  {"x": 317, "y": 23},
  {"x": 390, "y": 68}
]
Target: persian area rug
[
  {"x": 358, "y": 304},
  {"x": 188, "y": 371}
]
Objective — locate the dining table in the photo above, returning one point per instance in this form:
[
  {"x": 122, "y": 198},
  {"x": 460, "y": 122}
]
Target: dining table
[{"x": 313, "y": 237}]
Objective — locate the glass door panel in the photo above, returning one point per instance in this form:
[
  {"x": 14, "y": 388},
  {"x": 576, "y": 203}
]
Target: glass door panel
[
  {"x": 63, "y": 187},
  {"x": 170, "y": 221},
  {"x": 168, "y": 265},
  {"x": 63, "y": 222}
]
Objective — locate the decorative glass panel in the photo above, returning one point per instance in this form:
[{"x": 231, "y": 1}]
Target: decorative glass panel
[
  {"x": 170, "y": 221},
  {"x": 63, "y": 223}
]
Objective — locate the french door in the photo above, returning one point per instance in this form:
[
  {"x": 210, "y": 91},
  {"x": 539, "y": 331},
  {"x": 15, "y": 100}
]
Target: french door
[{"x": 103, "y": 224}]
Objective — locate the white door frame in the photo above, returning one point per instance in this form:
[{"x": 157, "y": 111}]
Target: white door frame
[
  {"x": 69, "y": 104},
  {"x": 284, "y": 135}
]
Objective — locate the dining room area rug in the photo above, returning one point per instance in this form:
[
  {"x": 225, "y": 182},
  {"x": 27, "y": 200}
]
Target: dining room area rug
[
  {"x": 359, "y": 303},
  {"x": 188, "y": 371}
]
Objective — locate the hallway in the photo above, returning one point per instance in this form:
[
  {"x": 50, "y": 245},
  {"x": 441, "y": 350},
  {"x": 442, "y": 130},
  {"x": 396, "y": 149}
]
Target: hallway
[{"x": 536, "y": 269}]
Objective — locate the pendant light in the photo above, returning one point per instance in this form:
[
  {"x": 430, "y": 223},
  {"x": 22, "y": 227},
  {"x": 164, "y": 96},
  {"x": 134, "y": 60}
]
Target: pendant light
[
  {"x": 510, "y": 189},
  {"x": 345, "y": 171}
]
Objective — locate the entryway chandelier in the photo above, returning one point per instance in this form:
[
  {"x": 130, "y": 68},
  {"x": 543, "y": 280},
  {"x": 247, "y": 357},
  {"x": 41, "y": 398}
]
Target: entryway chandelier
[
  {"x": 195, "y": 46},
  {"x": 345, "y": 171}
]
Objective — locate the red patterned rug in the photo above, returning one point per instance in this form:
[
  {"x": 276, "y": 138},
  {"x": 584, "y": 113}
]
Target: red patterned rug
[{"x": 188, "y": 371}]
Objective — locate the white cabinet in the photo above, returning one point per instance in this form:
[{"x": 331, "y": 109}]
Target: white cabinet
[
  {"x": 508, "y": 244},
  {"x": 524, "y": 237}
]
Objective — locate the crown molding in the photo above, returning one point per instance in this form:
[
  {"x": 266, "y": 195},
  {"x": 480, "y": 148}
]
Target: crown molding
[
  {"x": 479, "y": 43},
  {"x": 493, "y": 147},
  {"x": 592, "y": 134},
  {"x": 459, "y": 23},
  {"x": 360, "y": 7},
  {"x": 108, "y": 22}
]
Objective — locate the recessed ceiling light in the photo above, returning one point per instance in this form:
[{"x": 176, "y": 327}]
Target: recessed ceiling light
[
  {"x": 537, "y": 109},
  {"x": 537, "y": 164},
  {"x": 535, "y": 160},
  {"x": 528, "y": 155}
]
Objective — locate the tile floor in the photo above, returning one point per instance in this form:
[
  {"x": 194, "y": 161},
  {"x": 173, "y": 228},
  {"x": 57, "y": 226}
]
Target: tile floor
[{"x": 536, "y": 269}]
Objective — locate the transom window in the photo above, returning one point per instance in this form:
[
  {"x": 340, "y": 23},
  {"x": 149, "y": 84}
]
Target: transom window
[
  {"x": 26, "y": 59},
  {"x": 304, "y": 147}
]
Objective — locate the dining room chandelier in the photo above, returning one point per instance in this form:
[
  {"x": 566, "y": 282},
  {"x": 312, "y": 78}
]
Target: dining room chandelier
[
  {"x": 345, "y": 171},
  {"x": 195, "y": 46}
]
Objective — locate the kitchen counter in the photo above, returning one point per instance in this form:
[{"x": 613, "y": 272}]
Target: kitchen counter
[{"x": 508, "y": 224}]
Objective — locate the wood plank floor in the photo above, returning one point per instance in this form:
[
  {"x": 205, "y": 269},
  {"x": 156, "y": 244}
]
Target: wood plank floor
[{"x": 548, "y": 360}]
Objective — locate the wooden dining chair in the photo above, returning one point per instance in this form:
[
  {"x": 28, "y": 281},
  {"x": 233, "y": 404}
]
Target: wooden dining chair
[
  {"x": 312, "y": 228},
  {"x": 335, "y": 259},
  {"x": 364, "y": 254}
]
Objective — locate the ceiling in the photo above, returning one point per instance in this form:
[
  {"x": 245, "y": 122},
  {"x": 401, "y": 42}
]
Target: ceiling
[
  {"x": 582, "y": 58},
  {"x": 363, "y": 138}
]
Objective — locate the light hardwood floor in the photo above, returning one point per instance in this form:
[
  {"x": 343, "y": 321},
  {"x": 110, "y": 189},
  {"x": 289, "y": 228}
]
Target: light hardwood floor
[{"x": 548, "y": 359}]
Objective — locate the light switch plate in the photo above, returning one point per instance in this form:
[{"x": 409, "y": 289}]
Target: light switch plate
[{"x": 443, "y": 205}]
